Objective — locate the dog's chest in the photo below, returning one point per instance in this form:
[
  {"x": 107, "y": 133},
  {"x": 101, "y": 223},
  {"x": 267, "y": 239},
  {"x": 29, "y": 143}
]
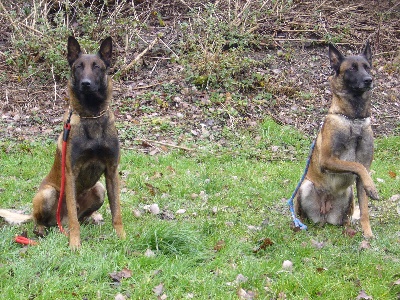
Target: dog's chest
[
  {"x": 353, "y": 141},
  {"x": 95, "y": 142}
]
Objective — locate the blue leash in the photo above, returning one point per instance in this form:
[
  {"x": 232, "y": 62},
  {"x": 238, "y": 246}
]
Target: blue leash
[{"x": 296, "y": 221}]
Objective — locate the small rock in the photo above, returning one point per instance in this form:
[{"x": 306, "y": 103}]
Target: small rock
[
  {"x": 203, "y": 195},
  {"x": 149, "y": 253},
  {"x": 119, "y": 297},
  {"x": 136, "y": 213},
  {"x": 180, "y": 211},
  {"x": 287, "y": 265},
  {"x": 241, "y": 278},
  {"x": 154, "y": 209}
]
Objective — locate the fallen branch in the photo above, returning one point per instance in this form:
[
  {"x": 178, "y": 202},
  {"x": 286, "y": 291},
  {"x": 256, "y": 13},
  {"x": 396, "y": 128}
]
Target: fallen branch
[
  {"x": 164, "y": 144},
  {"x": 143, "y": 87},
  {"x": 133, "y": 62}
]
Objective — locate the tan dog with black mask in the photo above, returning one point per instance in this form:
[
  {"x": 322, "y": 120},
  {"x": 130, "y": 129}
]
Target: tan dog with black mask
[{"x": 92, "y": 149}]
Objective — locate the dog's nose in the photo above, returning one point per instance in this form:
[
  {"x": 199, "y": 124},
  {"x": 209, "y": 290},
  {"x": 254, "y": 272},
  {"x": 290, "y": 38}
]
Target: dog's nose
[
  {"x": 368, "y": 80},
  {"x": 85, "y": 83}
]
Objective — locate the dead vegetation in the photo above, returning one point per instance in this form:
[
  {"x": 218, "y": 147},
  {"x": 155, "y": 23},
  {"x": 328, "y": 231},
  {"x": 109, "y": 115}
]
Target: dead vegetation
[{"x": 187, "y": 70}]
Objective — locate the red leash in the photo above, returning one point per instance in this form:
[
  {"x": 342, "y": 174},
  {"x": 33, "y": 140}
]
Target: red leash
[
  {"x": 67, "y": 128},
  {"x": 24, "y": 241}
]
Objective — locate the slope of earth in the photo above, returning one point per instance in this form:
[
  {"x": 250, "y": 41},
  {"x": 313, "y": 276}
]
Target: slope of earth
[{"x": 155, "y": 101}]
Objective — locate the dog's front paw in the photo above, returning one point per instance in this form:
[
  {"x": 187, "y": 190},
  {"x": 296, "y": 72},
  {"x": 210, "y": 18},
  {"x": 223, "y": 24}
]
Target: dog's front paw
[
  {"x": 74, "y": 243},
  {"x": 120, "y": 231},
  {"x": 367, "y": 233},
  {"x": 372, "y": 192}
]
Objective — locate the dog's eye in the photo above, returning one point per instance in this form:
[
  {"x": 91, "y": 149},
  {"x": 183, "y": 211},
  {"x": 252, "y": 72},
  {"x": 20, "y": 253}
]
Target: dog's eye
[
  {"x": 354, "y": 67},
  {"x": 96, "y": 66},
  {"x": 78, "y": 66},
  {"x": 366, "y": 67}
]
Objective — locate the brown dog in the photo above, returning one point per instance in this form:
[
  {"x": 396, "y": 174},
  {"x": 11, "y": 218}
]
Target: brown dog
[
  {"x": 92, "y": 149},
  {"x": 344, "y": 148}
]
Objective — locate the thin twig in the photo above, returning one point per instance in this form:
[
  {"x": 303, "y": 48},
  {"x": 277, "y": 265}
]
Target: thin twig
[
  {"x": 164, "y": 144},
  {"x": 137, "y": 58},
  {"x": 9, "y": 17}
]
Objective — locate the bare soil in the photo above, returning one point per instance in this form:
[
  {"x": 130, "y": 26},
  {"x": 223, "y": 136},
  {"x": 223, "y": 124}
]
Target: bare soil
[{"x": 298, "y": 67}]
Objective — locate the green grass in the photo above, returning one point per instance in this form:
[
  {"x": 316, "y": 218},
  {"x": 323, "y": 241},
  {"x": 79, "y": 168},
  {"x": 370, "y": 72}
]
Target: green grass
[{"x": 237, "y": 192}]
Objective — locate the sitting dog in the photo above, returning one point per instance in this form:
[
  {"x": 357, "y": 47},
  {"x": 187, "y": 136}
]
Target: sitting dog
[
  {"x": 92, "y": 149},
  {"x": 344, "y": 147}
]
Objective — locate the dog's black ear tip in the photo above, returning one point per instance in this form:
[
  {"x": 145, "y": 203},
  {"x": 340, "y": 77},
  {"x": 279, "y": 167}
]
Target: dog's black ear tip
[
  {"x": 71, "y": 38},
  {"x": 332, "y": 47},
  {"x": 107, "y": 40}
]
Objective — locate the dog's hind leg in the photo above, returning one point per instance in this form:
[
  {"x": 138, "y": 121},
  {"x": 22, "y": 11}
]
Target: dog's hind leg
[
  {"x": 363, "y": 202},
  {"x": 90, "y": 201},
  {"x": 44, "y": 209},
  {"x": 340, "y": 208},
  {"x": 307, "y": 202}
]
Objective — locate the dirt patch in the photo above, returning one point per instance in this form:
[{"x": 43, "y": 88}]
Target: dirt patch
[{"x": 156, "y": 102}]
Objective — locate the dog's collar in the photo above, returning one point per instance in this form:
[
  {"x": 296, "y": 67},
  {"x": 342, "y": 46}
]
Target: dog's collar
[
  {"x": 102, "y": 113},
  {"x": 347, "y": 117}
]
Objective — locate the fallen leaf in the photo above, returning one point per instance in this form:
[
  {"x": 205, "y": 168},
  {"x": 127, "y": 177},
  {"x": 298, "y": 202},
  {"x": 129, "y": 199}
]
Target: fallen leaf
[
  {"x": 321, "y": 269},
  {"x": 281, "y": 295},
  {"x": 243, "y": 294},
  {"x": 219, "y": 245},
  {"x": 263, "y": 245},
  {"x": 364, "y": 245},
  {"x": 146, "y": 144},
  {"x": 153, "y": 190},
  {"x": 156, "y": 175},
  {"x": 159, "y": 289},
  {"x": 363, "y": 296},
  {"x": 392, "y": 174},
  {"x": 395, "y": 198},
  {"x": 253, "y": 228},
  {"x": 96, "y": 218},
  {"x": 171, "y": 169},
  {"x": 118, "y": 276},
  {"x": 240, "y": 278},
  {"x": 153, "y": 152},
  {"x": 316, "y": 244},
  {"x": 350, "y": 232},
  {"x": 397, "y": 282}
]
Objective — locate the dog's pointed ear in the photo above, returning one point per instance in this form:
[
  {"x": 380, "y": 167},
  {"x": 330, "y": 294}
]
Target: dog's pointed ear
[
  {"x": 367, "y": 53},
  {"x": 105, "y": 51},
  {"x": 335, "y": 58},
  {"x": 74, "y": 50}
]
